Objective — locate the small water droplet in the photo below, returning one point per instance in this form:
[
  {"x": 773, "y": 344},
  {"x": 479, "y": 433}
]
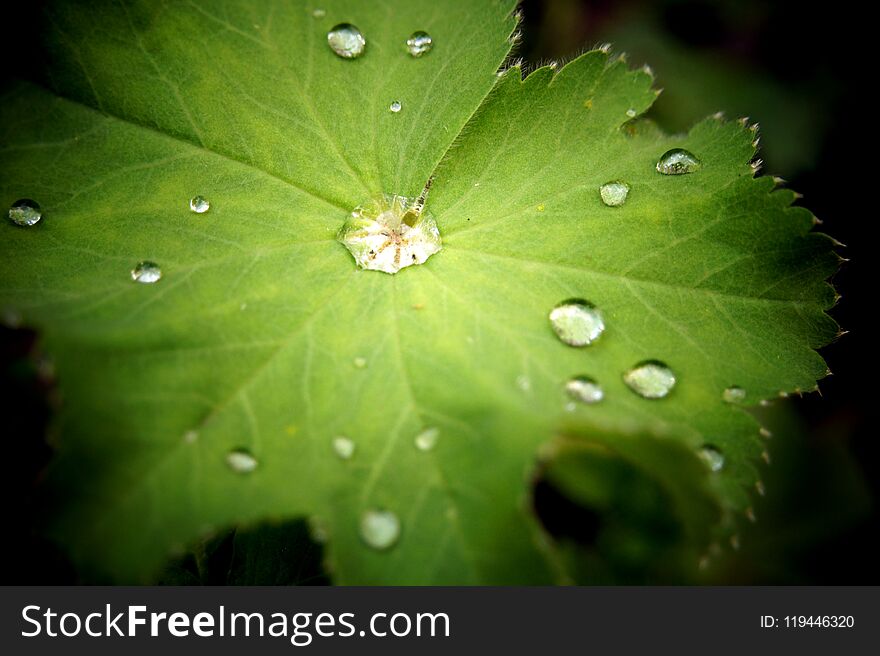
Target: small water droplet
[
  {"x": 343, "y": 447},
  {"x": 734, "y": 394},
  {"x": 199, "y": 204},
  {"x": 241, "y": 461},
  {"x": 318, "y": 13},
  {"x": 146, "y": 272},
  {"x": 759, "y": 487},
  {"x": 419, "y": 43},
  {"x": 524, "y": 383},
  {"x": 191, "y": 436},
  {"x": 650, "y": 379},
  {"x": 678, "y": 161},
  {"x": 380, "y": 529},
  {"x": 577, "y": 322},
  {"x": 395, "y": 106},
  {"x": 584, "y": 389},
  {"x": 765, "y": 456},
  {"x": 427, "y": 439},
  {"x": 346, "y": 41},
  {"x": 750, "y": 515},
  {"x": 25, "y": 212},
  {"x": 614, "y": 193},
  {"x": 713, "y": 457},
  {"x": 390, "y": 233},
  {"x": 631, "y": 112},
  {"x": 765, "y": 433},
  {"x": 360, "y": 363}
]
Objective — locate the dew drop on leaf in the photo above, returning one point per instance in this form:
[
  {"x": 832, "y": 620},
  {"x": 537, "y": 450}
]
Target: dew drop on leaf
[
  {"x": 419, "y": 43},
  {"x": 631, "y": 112},
  {"x": 346, "y": 41},
  {"x": 199, "y": 204},
  {"x": 713, "y": 457},
  {"x": 343, "y": 447},
  {"x": 390, "y": 233},
  {"x": 734, "y": 394},
  {"x": 584, "y": 389},
  {"x": 678, "y": 161},
  {"x": 427, "y": 439},
  {"x": 395, "y": 106},
  {"x": 241, "y": 461},
  {"x": 146, "y": 272},
  {"x": 577, "y": 322},
  {"x": 614, "y": 193},
  {"x": 650, "y": 379},
  {"x": 380, "y": 529},
  {"x": 25, "y": 212}
]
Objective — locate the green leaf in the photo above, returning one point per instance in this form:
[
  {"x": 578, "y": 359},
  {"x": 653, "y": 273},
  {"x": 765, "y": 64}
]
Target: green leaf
[{"x": 263, "y": 334}]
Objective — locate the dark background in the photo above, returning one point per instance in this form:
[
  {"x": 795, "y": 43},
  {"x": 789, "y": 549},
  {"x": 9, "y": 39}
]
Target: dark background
[{"x": 806, "y": 75}]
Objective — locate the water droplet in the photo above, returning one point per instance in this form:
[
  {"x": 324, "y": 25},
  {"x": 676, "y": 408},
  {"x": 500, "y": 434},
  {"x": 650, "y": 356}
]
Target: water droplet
[
  {"x": 360, "y": 363},
  {"x": 241, "y": 461},
  {"x": 199, "y": 204},
  {"x": 631, "y": 112},
  {"x": 343, "y": 447},
  {"x": 346, "y": 41},
  {"x": 419, "y": 43},
  {"x": 765, "y": 456},
  {"x": 734, "y": 394},
  {"x": 614, "y": 193},
  {"x": 713, "y": 457},
  {"x": 750, "y": 515},
  {"x": 759, "y": 487},
  {"x": 524, "y": 383},
  {"x": 25, "y": 212},
  {"x": 571, "y": 406},
  {"x": 318, "y": 13},
  {"x": 765, "y": 433},
  {"x": 390, "y": 233},
  {"x": 584, "y": 389},
  {"x": 577, "y": 322},
  {"x": 427, "y": 439},
  {"x": 650, "y": 379},
  {"x": 678, "y": 161},
  {"x": 191, "y": 436},
  {"x": 146, "y": 272},
  {"x": 380, "y": 529},
  {"x": 395, "y": 106}
]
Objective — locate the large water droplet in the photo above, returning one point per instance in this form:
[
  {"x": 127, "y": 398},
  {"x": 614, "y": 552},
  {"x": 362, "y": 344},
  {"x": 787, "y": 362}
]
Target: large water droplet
[
  {"x": 584, "y": 389},
  {"x": 577, "y": 322},
  {"x": 390, "y": 233},
  {"x": 650, "y": 379},
  {"x": 199, "y": 204},
  {"x": 380, "y": 529},
  {"x": 614, "y": 193},
  {"x": 346, "y": 41},
  {"x": 395, "y": 106},
  {"x": 343, "y": 447},
  {"x": 241, "y": 461},
  {"x": 419, "y": 43},
  {"x": 713, "y": 457},
  {"x": 146, "y": 272},
  {"x": 427, "y": 439},
  {"x": 734, "y": 394},
  {"x": 25, "y": 212},
  {"x": 678, "y": 161}
]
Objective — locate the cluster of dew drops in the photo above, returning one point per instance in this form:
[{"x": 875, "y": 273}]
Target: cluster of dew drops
[{"x": 576, "y": 322}]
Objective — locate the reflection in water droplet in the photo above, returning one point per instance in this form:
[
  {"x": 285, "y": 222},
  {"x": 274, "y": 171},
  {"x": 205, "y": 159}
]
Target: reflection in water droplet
[
  {"x": 390, "y": 233},
  {"x": 577, "y": 322},
  {"x": 346, "y": 41},
  {"x": 713, "y": 457},
  {"x": 734, "y": 394},
  {"x": 146, "y": 272},
  {"x": 380, "y": 529},
  {"x": 614, "y": 193},
  {"x": 25, "y": 212},
  {"x": 427, "y": 439},
  {"x": 199, "y": 204},
  {"x": 241, "y": 461},
  {"x": 360, "y": 363},
  {"x": 650, "y": 379},
  {"x": 584, "y": 389},
  {"x": 419, "y": 43},
  {"x": 678, "y": 161},
  {"x": 343, "y": 447},
  {"x": 395, "y": 106}
]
